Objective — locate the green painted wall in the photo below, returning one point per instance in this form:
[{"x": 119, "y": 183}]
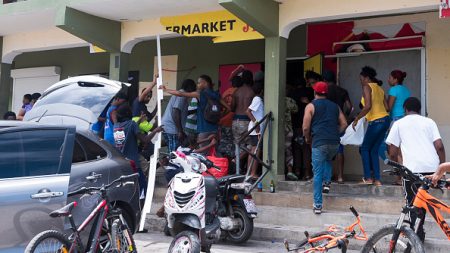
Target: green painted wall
[{"x": 199, "y": 52}]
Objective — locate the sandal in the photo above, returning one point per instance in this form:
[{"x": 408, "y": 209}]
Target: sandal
[
  {"x": 377, "y": 183},
  {"x": 366, "y": 182}
]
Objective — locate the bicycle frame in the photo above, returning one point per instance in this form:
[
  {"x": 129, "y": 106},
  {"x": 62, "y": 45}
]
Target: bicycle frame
[
  {"x": 433, "y": 206},
  {"x": 349, "y": 232},
  {"x": 100, "y": 212}
]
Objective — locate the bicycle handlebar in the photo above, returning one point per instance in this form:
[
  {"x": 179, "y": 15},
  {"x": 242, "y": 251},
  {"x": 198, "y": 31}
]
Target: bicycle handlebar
[
  {"x": 354, "y": 211},
  {"x": 103, "y": 187},
  {"x": 416, "y": 177}
]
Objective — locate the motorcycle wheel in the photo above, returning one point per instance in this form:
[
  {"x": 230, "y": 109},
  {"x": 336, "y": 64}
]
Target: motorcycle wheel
[
  {"x": 186, "y": 241},
  {"x": 245, "y": 230}
]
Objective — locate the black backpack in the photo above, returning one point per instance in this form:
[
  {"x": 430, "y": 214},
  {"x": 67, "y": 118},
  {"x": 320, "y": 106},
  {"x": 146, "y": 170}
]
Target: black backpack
[{"x": 213, "y": 110}]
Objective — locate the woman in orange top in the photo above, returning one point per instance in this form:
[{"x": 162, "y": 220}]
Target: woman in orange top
[{"x": 374, "y": 111}]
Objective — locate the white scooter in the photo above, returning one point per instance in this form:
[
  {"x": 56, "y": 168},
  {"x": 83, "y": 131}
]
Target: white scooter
[{"x": 200, "y": 209}]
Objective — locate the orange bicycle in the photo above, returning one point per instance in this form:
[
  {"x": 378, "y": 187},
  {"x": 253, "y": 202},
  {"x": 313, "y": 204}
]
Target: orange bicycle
[
  {"x": 400, "y": 237},
  {"x": 333, "y": 237}
]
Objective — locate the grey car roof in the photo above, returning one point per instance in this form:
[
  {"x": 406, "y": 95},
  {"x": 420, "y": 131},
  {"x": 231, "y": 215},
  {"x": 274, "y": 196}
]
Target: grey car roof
[{"x": 30, "y": 124}]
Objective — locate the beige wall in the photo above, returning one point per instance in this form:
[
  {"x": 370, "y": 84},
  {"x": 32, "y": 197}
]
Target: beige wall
[
  {"x": 53, "y": 38},
  {"x": 134, "y": 32}
]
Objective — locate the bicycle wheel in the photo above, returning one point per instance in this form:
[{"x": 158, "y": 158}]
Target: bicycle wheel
[
  {"x": 305, "y": 245},
  {"x": 408, "y": 241},
  {"x": 122, "y": 238},
  {"x": 50, "y": 241}
]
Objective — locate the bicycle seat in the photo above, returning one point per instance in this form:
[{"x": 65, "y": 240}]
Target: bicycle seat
[{"x": 64, "y": 211}]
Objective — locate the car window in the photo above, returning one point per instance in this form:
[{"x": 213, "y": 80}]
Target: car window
[
  {"x": 93, "y": 150},
  {"x": 92, "y": 96},
  {"x": 78, "y": 153},
  {"x": 34, "y": 152}
]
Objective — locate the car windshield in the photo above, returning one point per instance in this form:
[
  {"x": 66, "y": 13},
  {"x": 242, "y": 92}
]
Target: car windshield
[{"x": 92, "y": 96}]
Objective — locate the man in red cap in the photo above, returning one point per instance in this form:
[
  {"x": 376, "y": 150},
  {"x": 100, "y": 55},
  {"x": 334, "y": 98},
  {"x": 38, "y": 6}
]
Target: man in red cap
[{"x": 322, "y": 124}]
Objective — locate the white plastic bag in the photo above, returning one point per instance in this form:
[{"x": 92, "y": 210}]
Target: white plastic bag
[{"x": 355, "y": 137}]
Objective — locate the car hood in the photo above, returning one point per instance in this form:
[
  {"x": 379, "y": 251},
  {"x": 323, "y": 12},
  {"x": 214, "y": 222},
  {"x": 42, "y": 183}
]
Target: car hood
[{"x": 75, "y": 101}]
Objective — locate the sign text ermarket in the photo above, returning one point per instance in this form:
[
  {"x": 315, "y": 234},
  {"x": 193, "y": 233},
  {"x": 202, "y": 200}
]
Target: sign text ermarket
[
  {"x": 208, "y": 27},
  {"x": 221, "y": 25}
]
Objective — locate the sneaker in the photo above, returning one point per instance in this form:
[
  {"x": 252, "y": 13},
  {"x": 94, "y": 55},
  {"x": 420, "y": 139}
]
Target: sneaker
[
  {"x": 326, "y": 188},
  {"x": 317, "y": 210},
  {"x": 291, "y": 176}
]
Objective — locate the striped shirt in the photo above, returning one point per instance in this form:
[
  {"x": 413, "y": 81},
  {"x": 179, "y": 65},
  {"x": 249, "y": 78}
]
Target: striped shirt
[{"x": 191, "y": 121}]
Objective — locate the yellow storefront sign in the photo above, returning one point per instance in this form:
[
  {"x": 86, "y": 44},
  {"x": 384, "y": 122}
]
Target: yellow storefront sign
[{"x": 221, "y": 25}]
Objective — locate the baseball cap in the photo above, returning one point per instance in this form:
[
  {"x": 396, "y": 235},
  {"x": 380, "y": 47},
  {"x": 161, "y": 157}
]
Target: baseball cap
[{"x": 320, "y": 87}]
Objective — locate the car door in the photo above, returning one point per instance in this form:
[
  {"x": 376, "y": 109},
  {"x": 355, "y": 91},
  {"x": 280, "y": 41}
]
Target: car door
[
  {"x": 89, "y": 166},
  {"x": 35, "y": 164}
]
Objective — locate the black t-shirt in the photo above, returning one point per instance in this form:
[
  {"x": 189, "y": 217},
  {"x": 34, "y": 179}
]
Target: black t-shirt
[
  {"x": 139, "y": 107},
  {"x": 297, "y": 95},
  {"x": 337, "y": 95}
]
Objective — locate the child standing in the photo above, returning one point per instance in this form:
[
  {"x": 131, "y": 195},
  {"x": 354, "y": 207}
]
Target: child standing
[
  {"x": 126, "y": 136},
  {"x": 255, "y": 112}
]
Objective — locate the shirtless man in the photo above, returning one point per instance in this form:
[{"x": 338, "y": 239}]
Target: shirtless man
[{"x": 242, "y": 98}]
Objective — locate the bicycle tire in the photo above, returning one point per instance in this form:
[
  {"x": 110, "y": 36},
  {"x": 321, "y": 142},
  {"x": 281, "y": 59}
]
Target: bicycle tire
[
  {"x": 414, "y": 243},
  {"x": 304, "y": 242},
  {"x": 122, "y": 238},
  {"x": 45, "y": 235}
]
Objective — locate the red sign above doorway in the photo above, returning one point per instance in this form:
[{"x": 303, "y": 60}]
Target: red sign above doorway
[{"x": 444, "y": 9}]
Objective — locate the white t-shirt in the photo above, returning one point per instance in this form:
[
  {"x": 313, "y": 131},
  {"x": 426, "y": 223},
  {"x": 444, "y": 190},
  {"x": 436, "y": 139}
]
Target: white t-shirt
[
  {"x": 415, "y": 135},
  {"x": 257, "y": 108}
]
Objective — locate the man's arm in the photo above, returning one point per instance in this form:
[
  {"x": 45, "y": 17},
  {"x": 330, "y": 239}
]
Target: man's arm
[
  {"x": 342, "y": 122},
  {"x": 440, "y": 150},
  {"x": 394, "y": 152},
  {"x": 236, "y": 71},
  {"x": 148, "y": 138},
  {"x": 309, "y": 112},
  {"x": 176, "y": 117},
  {"x": 440, "y": 172},
  {"x": 177, "y": 93},
  {"x": 147, "y": 90}
]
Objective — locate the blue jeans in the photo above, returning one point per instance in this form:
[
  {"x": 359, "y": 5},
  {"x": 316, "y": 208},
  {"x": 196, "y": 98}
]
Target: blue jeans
[
  {"x": 171, "y": 141},
  {"x": 321, "y": 161},
  {"x": 383, "y": 147},
  {"x": 370, "y": 148}
]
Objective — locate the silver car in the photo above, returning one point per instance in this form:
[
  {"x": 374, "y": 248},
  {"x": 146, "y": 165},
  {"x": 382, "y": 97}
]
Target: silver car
[
  {"x": 77, "y": 102},
  {"x": 35, "y": 164}
]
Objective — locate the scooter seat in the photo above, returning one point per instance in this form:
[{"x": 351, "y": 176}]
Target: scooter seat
[
  {"x": 231, "y": 178},
  {"x": 64, "y": 211}
]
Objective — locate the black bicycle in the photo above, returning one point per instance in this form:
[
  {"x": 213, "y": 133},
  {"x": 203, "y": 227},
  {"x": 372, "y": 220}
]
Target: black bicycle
[{"x": 110, "y": 232}]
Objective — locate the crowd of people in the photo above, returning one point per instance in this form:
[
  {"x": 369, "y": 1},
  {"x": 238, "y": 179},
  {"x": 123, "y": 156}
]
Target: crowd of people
[
  {"x": 27, "y": 104},
  {"x": 317, "y": 113}
]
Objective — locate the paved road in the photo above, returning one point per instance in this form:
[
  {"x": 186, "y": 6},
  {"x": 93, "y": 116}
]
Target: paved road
[{"x": 154, "y": 242}]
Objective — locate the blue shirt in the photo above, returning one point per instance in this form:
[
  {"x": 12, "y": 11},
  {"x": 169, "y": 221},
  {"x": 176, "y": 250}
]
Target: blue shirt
[
  {"x": 125, "y": 138},
  {"x": 401, "y": 93},
  {"x": 325, "y": 123},
  {"x": 108, "y": 135},
  {"x": 204, "y": 126}
]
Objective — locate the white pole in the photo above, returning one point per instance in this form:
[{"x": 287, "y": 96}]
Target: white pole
[{"x": 154, "y": 158}]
